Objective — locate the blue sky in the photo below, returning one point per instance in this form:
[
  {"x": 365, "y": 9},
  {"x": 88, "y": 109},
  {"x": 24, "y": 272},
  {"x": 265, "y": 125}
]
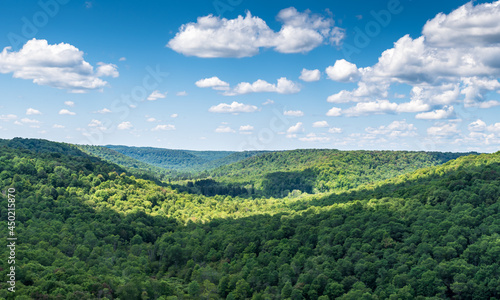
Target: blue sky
[{"x": 245, "y": 75}]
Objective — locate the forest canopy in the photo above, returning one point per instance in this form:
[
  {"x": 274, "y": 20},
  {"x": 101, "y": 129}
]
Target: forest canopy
[{"x": 91, "y": 229}]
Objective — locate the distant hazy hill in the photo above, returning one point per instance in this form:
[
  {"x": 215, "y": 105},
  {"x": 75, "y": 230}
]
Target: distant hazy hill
[{"x": 183, "y": 160}]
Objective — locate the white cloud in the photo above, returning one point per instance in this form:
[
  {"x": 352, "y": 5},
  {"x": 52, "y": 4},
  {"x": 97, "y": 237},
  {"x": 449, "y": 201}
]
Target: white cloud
[
  {"x": 475, "y": 89},
  {"x": 334, "y": 112},
  {"x": 478, "y": 125},
  {"x": 59, "y": 65},
  {"x": 164, "y": 127},
  {"x": 494, "y": 128},
  {"x": 125, "y": 125},
  {"x": 103, "y": 111},
  {"x": 310, "y": 75},
  {"x": 66, "y": 112},
  {"x": 69, "y": 103},
  {"x": 373, "y": 107},
  {"x": 395, "y": 129},
  {"x": 29, "y": 121},
  {"x": 234, "y": 108},
  {"x": 155, "y": 95},
  {"x": 224, "y": 129},
  {"x": 293, "y": 113},
  {"x": 109, "y": 70},
  {"x": 335, "y": 130},
  {"x": 32, "y": 111},
  {"x": 212, "y": 82},
  {"x": 174, "y": 115},
  {"x": 312, "y": 137},
  {"x": 122, "y": 59},
  {"x": 95, "y": 123},
  {"x": 343, "y": 71},
  {"x": 151, "y": 120},
  {"x": 486, "y": 104},
  {"x": 268, "y": 102},
  {"x": 467, "y": 26},
  {"x": 363, "y": 93},
  {"x": 8, "y": 117},
  {"x": 299, "y": 127},
  {"x": 445, "y": 113},
  {"x": 246, "y": 128},
  {"x": 458, "y": 54},
  {"x": 320, "y": 124},
  {"x": 57, "y": 126},
  {"x": 181, "y": 93},
  {"x": 213, "y": 36},
  {"x": 446, "y": 129},
  {"x": 283, "y": 86}
]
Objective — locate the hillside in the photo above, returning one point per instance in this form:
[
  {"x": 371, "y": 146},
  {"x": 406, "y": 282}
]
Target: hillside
[
  {"x": 91, "y": 230},
  {"x": 315, "y": 170},
  {"x": 129, "y": 163},
  {"x": 183, "y": 160}
]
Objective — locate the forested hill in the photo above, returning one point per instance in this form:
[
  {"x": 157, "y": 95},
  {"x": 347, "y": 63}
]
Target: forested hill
[
  {"x": 183, "y": 160},
  {"x": 322, "y": 170},
  {"x": 88, "y": 230}
]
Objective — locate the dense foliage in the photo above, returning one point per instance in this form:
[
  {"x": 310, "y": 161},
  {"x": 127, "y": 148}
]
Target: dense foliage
[
  {"x": 312, "y": 171},
  {"x": 89, "y": 230},
  {"x": 183, "y": 160}
]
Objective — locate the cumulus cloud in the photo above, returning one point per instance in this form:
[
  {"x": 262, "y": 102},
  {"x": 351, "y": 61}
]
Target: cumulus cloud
[
  {"x": 373, "y": 107},
  {"x": 293, "y": 113},
  {"x": 212, "y": 36},
  {"x": 32, "y": 111},
  {"x": 29, "y": 121},
  {"x": 69, "y": 103},
  {"x": 125, "y": 125},
  {"x": 363, "y": 93},
  {"x": 310, "y": 75},
  {"x": 283, "y": 86},
  {"x": 246, "y": 128},
  {"x": 181, "y": 93},
  {"x": 155, "y": 95},
  {"x": 234, "y": 108},
  {"x": 466, "y": 26},
  {"x": 174, "y": 115},
  {"x": 212, "y": 82},
  {"x": 395, "y": 129},
  {"x": 335, "y": 130},
  {"x": 59, "y": 65},
  {"x": 320, "y": 124},
  {"x": 224, "y": 129},
  {"x": 107, "y": 70},
  {"x": 103, "y": 111},
  {"x": 445, "y": 113},
  {"x": 478, "y": 125},
  {"x": 343, "y": 71},
  {"x": 163, "y": 127},
  {"x": 299, "y": 127},
  {"x": 97, "y": 124},
  {"x": 456, "y": 56},
  {"x": 66, "y": 112},
  {"x": 8, "y": 117},
  {"x": 312, "y": 137},
  {"x": 444, "y": 129},
  {"x": 334, "y": 112}
]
